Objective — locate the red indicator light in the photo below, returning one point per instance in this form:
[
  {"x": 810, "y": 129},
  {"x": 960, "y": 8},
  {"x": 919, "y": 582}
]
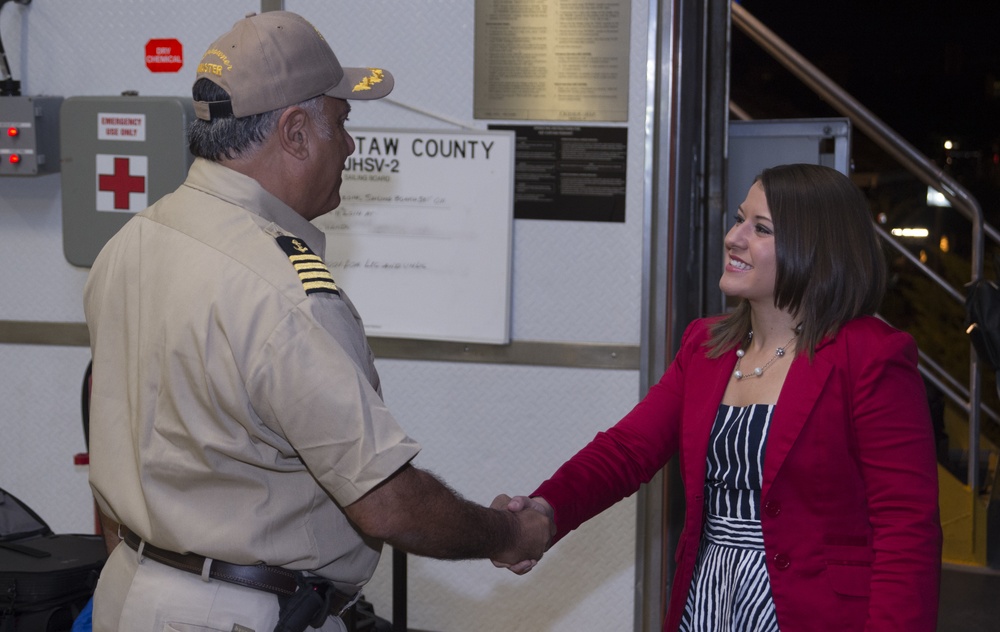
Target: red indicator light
[
  {"x": 14, "y": 159},
  {"x": 13, "y": 131}
]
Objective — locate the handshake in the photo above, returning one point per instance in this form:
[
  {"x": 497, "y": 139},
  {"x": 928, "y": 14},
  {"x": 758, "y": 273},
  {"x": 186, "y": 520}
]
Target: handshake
[{"x": 536, "y": 528}]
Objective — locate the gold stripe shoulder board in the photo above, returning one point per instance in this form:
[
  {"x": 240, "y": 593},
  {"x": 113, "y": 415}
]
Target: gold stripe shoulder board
[{"x": 313, "y": 273}]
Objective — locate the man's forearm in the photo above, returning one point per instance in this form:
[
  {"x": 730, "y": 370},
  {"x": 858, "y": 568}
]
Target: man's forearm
[{"x": 415, "y": 512}]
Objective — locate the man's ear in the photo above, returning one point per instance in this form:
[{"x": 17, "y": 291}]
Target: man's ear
[{"x": 293, "y": 132}]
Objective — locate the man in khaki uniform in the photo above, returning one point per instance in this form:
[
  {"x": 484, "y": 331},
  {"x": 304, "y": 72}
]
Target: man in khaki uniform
[{"x": 239, "y": 436}]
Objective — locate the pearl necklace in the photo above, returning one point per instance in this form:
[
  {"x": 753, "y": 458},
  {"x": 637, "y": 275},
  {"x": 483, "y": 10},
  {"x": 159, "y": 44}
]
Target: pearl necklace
[{"x": 758, "y": 371}]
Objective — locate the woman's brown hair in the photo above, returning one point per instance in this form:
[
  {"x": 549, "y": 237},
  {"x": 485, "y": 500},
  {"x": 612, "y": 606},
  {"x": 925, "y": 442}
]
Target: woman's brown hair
[{"x": 830, "y": 264}]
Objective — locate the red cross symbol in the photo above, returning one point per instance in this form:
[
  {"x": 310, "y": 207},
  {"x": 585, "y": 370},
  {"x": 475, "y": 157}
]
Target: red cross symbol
[{"x": 121, "y": 183}]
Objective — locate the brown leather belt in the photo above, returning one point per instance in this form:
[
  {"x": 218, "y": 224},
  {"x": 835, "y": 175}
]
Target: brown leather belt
[{"x": 272, "y": 579}]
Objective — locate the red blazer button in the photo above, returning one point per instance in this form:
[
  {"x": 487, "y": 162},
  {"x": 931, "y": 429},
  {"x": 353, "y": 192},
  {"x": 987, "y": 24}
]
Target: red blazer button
[
  {"x": 772, "y": 508},
  {"x": 782, "y": 561}
]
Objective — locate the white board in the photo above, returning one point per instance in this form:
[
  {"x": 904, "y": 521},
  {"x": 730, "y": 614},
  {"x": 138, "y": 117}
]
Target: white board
[{"x": 421, "y": 241}]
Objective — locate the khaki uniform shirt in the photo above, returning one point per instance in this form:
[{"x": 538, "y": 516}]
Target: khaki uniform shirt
[{"x": 235, "y": 405}]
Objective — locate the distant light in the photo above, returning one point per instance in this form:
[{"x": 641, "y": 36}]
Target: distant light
[
  {"x": 936, "y": 198},
  {"x": 943, "y": 244},
  {"x": 948, "y": 144},
  {"x": 913, "y": 233}
]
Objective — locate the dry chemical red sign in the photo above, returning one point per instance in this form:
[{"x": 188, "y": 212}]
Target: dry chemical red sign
[{"x": 164, "y": 55}]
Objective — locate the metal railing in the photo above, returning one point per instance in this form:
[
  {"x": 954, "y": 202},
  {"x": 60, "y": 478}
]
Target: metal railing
[{"x": 923, "y": 168}]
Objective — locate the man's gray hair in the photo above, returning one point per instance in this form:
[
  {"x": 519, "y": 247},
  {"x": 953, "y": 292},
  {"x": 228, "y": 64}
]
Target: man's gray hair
[{"x": 230, "y": 137}]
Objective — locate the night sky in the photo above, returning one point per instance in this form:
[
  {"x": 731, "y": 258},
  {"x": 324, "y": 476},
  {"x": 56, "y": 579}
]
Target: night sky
[{"x": 930, "y": 70}]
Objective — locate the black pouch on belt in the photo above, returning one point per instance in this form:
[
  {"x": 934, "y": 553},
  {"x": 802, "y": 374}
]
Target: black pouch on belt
[{"x": 308, "y": 607}]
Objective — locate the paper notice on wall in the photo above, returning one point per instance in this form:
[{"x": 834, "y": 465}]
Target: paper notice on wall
[{"x": 421, "y": 241}]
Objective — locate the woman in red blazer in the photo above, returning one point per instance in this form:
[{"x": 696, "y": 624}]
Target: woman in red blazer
[{"x": 801, "y": 423}]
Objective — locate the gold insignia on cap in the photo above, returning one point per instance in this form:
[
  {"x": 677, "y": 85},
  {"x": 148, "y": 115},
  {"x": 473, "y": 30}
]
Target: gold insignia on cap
[
  {"x": 214, "y": 69},
  {"x": 370, "y": 80},
  {"x": 210, "y": 69},
  {"x": 313, "y": 273}
]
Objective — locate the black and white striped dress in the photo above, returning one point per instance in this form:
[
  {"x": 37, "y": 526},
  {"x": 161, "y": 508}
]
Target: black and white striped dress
[{"x": 730, "y": 590}]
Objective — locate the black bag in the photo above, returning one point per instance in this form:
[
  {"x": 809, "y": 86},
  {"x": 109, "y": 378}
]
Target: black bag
[
  {"x": 982, "y": 320},
  {"x": 45, "y": 579}
]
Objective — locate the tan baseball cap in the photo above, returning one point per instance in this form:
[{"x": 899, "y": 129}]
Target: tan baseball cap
[{"x": 276, "y": 59}]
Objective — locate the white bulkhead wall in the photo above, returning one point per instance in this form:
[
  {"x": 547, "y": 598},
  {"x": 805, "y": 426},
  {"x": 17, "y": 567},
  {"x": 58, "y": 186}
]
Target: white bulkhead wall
[{"x": 485, "y": 428}]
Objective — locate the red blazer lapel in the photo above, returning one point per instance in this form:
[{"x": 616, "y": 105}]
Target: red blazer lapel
[{"x": 803, "y": 388}]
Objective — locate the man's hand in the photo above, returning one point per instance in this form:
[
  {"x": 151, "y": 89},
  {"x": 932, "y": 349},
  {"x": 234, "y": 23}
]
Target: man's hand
[{"x": 536, "y": 527}]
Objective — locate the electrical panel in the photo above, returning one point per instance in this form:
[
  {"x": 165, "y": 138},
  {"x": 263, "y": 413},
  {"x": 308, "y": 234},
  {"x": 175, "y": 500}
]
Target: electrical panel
[
  {"x": 119, "y": 155},
  {"x": 29, "y": 135}
]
